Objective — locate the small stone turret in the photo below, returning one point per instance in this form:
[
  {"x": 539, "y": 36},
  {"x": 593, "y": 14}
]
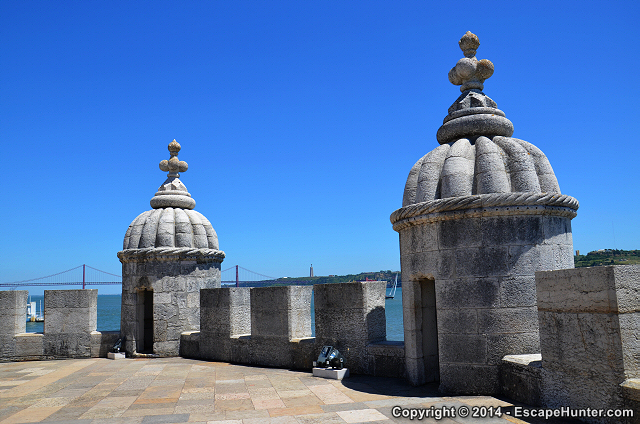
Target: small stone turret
[
  {"x": 480, "y": 214},
  {"x": 169, "y": 254}
]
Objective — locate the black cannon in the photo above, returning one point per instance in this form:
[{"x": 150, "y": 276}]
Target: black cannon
[{"x": 330, "y": 357}]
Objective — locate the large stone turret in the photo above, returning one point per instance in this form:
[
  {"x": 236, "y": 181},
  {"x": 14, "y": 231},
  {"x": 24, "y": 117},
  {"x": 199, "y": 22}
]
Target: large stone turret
[
  {"x": 169, "y": 254},
  {"x": 480, "y": 214}
]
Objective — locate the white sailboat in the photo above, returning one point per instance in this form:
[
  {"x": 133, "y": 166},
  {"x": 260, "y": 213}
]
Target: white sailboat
[{"x": 392, "y": 293}]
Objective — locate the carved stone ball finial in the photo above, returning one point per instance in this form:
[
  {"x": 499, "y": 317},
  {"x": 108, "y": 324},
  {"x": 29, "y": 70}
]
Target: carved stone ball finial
[
  {"x": 173, "y": 193},
  {"x": 174, "y": 166},
  {"x": 470, "y": 73}
]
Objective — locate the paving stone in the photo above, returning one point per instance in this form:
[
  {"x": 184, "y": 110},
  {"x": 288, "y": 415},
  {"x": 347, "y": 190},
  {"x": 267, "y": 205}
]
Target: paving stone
[{"x": 162, "y": 419}]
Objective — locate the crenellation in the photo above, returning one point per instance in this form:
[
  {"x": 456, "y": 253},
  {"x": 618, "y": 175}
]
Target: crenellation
[
  {"x": 272, "y": 326},
  {"x": 13, "y": 312}
]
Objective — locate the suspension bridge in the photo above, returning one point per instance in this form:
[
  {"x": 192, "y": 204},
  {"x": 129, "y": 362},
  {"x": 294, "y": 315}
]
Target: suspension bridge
[{"x": 85, "y": 275}]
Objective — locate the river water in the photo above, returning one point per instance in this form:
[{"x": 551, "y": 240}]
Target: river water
[{"x": 109, "y": 315}]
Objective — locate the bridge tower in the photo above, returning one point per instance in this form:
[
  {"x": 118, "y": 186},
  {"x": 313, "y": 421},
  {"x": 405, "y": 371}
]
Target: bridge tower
[{"x": 169, "y": 253}]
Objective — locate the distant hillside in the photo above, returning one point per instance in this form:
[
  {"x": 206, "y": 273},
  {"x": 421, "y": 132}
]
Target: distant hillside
[
  {"x": 607, "y": 257},
  {"x": 388, "y": 276},
  {"x": 596, "y": 258}
]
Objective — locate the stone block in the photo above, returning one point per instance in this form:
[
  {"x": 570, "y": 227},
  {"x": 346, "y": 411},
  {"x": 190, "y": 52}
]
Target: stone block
[
  {"x": 167, "y": 348},
  {"x": 501, "y": 345},
  {"x": 102, "y": 342},
  {"x": 387, "y": 359},
  {"x": 574, "y": 342},
  {"x": 330, "y": 373},
  {"x": 161, "y": 297},
  {"x": 467, "y": 293},
  {"x": 482, "y": 262},
  {"x": 525, "y": 260},
  {"x": 521, "y": 378},
  {"x": 631, "y": 394},
  {"x": 87, "y": 298},
  {"x": 467, "y": 379},
  {"x": 415, "y": 371},
  {"x": 462, "y": 348},
  {"x": 352, "y": 311},
  {"x": 190, "y": 344},
  {"x": 512, "y": 230},
  {"x": 508, "y": 320},
  {"x": 69, "y": 320},
  {"x": 629, "y": 330},
  {"x": 517, "y": 291},
  {"x": 29, "y": 345},
  {"x": 422, "y": 238},
  {"x": 413, "y": 344},
  {"x": 586, "y": 390},
  {"x": 7, "y": 346},
  {"x": 70, "y": 311},
  {"x": 460, "y": 233},
  {"x": 165, "y": 312},
  {"x": 13, "y": 312},
  {"x": 557, "y": 230},
  {"x": 412, "y": 318},
  {"x": 67, "y": 345},
  {"x": 282, "y": 312},
  {"x": 458, "y": 321}
]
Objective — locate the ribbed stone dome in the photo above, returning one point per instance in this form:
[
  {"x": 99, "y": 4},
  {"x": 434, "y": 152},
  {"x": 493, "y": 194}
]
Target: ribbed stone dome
[
  {"x": 481, "y": 165},
  {"x": 477, "y": 154},
  {"x": 170, "y": 227},
  {"x": 172, "y": 223}
]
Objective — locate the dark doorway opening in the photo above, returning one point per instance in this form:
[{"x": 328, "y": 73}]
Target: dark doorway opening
[
  {"x": 429, "y": 330},
  {"x": 145, "y": 321}
]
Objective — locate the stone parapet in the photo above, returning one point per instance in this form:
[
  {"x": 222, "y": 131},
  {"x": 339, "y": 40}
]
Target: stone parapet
[
  {"x": 272, "y": 327},
  {"x": 13, "y": 312},
  {"x": 69, "y": 330},
  {"x": 350, "y": 316},
  {"x": 281, "y": 312},
  {"x": 521, "y": 378},
  {"x": 69, "y": 318},
  {"x": 589, "y": 322}
]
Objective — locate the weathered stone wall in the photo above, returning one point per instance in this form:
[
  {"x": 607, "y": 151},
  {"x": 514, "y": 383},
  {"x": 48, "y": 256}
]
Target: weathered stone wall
[
  {"x": 173, "y": 288},
  {"x": 13, "y": 319},
  {"x": 350, "y": 317},
  {"x": 69, "y": 330},
  {"x": 272, "y": 327},
  {"x": 69, "y": 318},
  {"x": 481, "y": 263},
  {"x": 589, "y": 326}
]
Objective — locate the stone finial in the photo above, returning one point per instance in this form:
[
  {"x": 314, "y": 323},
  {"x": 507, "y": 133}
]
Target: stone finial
[
  {"x": 469, "y": 72},
  {"x": 173, "y": 165},
  {"x": 173, "y": 193},
  {"x": 473, "y": 114}
]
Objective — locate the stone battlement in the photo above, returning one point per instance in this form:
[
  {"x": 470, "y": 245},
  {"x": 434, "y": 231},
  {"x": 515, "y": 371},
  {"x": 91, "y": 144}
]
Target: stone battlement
[
  {"x": 70, "y": 321},
  {"x": 271, "y": 326},
  {"x": 268, "y": 326}
]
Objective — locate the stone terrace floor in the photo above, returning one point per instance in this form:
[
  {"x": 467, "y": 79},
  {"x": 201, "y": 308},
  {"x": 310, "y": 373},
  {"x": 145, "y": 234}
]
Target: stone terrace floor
[{"x": 177, "y": 390}]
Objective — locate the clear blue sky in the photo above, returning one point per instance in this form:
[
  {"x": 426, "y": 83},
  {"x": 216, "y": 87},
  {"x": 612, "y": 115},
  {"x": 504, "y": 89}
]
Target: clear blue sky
[{"x": 299, "y": 120}]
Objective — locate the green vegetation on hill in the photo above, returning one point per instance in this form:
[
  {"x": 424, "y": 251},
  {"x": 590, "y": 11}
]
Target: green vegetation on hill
[
  {"x": 607, "y": 257},
  {"x": 388, "y": 275}
]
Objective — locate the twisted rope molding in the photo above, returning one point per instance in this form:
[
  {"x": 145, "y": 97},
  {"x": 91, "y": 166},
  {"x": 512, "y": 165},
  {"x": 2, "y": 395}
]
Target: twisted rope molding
[
  {"x": 565, "y": 205},
  {"x": 170, "y": 254}
]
